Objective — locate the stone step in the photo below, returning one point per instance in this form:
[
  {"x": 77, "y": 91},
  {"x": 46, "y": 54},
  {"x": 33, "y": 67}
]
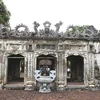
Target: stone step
[
  {"x": 14, "y": 87},
  {"x": 76, "y": 87}
]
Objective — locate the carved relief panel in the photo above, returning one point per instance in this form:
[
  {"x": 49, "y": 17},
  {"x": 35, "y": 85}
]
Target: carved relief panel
[
  {"x": 15, "y": 47},
  {"x": 60, "y": 47},
  {"x": 75, "y": 47},
  {"x": 45, "y": 46}
]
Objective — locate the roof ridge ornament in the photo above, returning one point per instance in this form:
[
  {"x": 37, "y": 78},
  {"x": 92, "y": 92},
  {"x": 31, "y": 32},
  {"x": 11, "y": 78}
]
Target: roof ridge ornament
[
  {"x": 47, "y": 25},
  {"x": 36, "y": 25},
  {"x": 58, "y": 25},
  {"x": 20, "y": 26},
  {"x": 21, "y": 33},
  {"x": 72, "y": 32}
]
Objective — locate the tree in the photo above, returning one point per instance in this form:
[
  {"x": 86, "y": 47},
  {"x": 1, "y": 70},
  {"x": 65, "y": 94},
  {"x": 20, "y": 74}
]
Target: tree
[{"x": 4, "y": 14}]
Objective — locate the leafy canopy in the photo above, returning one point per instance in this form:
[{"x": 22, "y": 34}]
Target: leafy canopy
[{"x": 4, "y": 14}]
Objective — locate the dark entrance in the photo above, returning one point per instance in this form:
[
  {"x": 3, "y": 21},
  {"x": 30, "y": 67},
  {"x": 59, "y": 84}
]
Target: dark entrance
[
  {"x": 46, "y": 60},
  {"x": 75, "y": 69},
  {"x": 15, "y": 68}
]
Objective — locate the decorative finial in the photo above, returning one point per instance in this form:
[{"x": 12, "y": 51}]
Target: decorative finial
[
  {"x": 58, "y": 26},
  {"x": 47, "y": 25},
  {"x": 36, "y": 25}
]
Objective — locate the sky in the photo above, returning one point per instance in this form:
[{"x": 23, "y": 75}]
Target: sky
[{"x": 70, "y": 12}]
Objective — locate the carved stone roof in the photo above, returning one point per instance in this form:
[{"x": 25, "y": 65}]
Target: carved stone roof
[{"x": 72, "y": 32}]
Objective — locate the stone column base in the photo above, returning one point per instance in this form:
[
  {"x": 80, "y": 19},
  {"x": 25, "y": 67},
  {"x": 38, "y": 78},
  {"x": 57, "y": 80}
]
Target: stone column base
[
  {"x": 60, "y": 85},
  {"x": 1, "y": 87},
  {"x": 29, "y": 85},
  {"x": 61, "y": 88}
]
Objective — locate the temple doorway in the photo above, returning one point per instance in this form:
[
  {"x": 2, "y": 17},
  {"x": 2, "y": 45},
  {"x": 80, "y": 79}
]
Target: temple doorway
[
  {"x": 75, "y": 69},
  {"x": 15, "y": 68},
  {"x": 46, "y": 60}
]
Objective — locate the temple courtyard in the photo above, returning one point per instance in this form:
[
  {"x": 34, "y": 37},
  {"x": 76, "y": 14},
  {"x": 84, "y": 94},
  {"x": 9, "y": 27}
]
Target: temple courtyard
[{"x": 54, "y": 95}]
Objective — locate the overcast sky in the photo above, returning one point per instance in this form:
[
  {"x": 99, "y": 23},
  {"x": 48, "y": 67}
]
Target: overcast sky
[{"x": 70, "y": 12}]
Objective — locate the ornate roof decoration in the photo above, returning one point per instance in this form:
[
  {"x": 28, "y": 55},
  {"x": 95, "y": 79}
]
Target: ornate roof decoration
[
  {"x": 47, "y": 32},
  {"x": 58, "y": 26},
  {"x": 36, "y": 25},
  {"x": 72, "y": 32},
  {"x": 47, "y": 24},
  {"x": 4, "y": 30},
  {"x": 81, "y": 32},
  {"x": 24, "y": 32}
]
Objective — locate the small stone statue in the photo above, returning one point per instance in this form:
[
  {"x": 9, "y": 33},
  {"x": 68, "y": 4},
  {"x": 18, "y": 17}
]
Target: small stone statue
[
  {"x": 58, "y": 26},
  {"x": 36, "y": 25}
]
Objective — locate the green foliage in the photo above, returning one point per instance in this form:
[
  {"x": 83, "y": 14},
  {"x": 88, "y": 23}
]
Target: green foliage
[
  {"x": 69, "y": 63},
  {"x": 82, "y": 28},
  {"x": 4, "y": 14},
  {"x": 79, "y": 28}
]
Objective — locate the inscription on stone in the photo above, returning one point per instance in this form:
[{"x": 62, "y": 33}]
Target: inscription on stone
[{"x": 30, "y": 65}]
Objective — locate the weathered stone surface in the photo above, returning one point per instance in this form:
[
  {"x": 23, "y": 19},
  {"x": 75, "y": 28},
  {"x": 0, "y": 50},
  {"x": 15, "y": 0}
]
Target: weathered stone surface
[{"x": 51, "y": 45}]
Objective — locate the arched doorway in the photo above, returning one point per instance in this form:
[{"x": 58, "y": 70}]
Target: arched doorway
[
  {"x": 46, "y": 60},
  {"x": 75, "y": 69},
  {"x": 15, "y": 68}
]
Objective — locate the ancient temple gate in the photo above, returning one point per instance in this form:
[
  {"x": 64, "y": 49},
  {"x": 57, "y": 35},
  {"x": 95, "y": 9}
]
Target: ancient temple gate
[{"x": 74, "y": 55}]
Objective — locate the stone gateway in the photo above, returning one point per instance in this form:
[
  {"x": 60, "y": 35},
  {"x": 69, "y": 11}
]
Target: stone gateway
[{"x": 74, "y": 55}]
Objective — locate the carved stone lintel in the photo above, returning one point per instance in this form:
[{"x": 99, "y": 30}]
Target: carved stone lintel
[
  {"x": 76, "y": 53},
  {"x": 45, "y": 53}
]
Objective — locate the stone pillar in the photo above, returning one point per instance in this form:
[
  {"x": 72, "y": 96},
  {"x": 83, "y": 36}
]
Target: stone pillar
[
  {"x": 91, "y": 68},
  {"x": 65, "y": 71},
  {"x": 1, "y": 76},
  {"x": 29, "y": 85},
  {"x": 60, "y": 74},
  {"x": 25, "y": 69},
  {"x": 4, "y": 69},
  {"x": 34, "y": 68},
  {"x": 30, "y": 66},
  {"x": 86, "y": 70}
]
